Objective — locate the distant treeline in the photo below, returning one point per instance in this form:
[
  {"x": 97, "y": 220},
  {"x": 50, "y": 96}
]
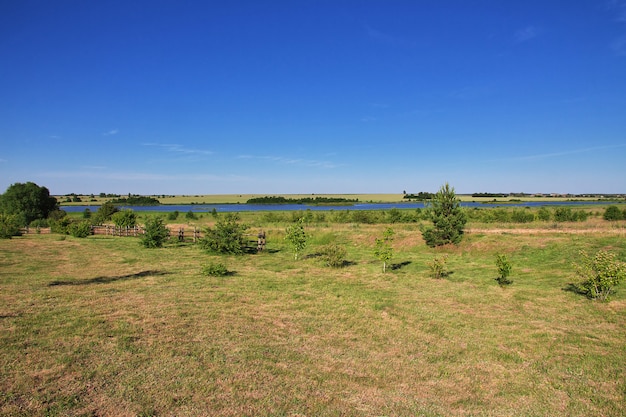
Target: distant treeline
[
  {"x": 421, "y": 196},
  {"x": 304, "y": 200},
  {"x": 490, "y": 195},
  {"x": 136, "y": 201}
]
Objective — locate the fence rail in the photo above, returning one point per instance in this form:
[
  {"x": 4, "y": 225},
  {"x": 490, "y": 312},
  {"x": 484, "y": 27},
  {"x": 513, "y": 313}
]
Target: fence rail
[{"x": 180, "y": 233}]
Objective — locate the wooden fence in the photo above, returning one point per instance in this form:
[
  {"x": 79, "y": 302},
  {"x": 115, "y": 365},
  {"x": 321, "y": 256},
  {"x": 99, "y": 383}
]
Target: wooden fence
[{"x": 180, "y": 233}]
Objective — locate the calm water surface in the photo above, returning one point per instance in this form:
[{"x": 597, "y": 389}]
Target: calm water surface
[{"x": 226, "y": 208}]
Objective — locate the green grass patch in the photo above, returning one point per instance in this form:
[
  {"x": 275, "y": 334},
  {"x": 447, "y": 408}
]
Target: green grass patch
[{"x": 102, "y": 326}]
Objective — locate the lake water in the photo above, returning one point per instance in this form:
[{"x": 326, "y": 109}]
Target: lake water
[{"x": 231, "y": 208}]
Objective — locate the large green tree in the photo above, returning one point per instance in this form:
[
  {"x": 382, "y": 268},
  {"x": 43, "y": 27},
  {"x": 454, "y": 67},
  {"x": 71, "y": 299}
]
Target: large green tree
[
  {"x": 447, "y": 216},
  {"x": 27, "y": 202}
]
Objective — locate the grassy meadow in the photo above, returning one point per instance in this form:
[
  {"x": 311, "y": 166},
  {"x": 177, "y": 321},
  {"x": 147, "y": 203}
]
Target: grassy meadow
[{"x": 101, "y": 326}]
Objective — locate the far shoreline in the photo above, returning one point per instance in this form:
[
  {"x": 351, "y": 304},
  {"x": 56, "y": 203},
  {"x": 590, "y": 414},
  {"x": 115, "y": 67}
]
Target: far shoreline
[{"x": 236, "y": 199}]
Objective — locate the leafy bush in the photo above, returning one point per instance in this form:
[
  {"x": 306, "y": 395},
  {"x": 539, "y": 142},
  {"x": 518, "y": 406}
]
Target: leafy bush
[
  {"x": 215, "y": 270},
  {"x": 225, "y": 237},
  {"x": 272, "y": 217},
  {"x": 104, "y": 213},
  {"x": 522, "y": 216},
  {"x": 126, "y": 218},
  {"x": 9, "y": 226},
  {"x": 600, "y": 274},
  {"x": 438, "y": 267},
  {"x": 365, "y": 217},
  {"x": 296, "y": 237},
  {"x": 504, "y": 269},
  {"x": 173, "y": 215},
  {"x": 394, "y": 216},
  {"x": 39, "y": 223},
  {"x": 613, "y": 213},
  {"x": 342, "y": 216},
  {"x": 544, "y": 215},
  {"x": 566, "y": 214},
  {"x": 156, "y": 233},
  {"x": 190, "y": 215},
  {"x": 60, "y": 226},
  {"x": 80, "y": 229},
  {"x": 384, "y": 250},
  {"x": 333, "y": 255}
]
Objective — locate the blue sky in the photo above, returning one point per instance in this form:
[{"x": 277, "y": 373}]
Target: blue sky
[{"x": 304, "y": 96}]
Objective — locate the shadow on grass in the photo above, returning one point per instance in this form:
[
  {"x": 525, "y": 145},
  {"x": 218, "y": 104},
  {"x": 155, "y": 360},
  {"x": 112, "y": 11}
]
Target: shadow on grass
[
  {"x": 445, "y": 275},
  {"x": 571, "y": 287},
  {"x": 106, "y": 280},
  {"x": 400, "y": 265},
  {"x": 253, "y": 250}
]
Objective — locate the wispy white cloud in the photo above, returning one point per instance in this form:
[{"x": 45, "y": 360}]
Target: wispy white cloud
[
  {"x": 568, "y": 152},
  {"x": 526, "y": 34},
  {"x": 111, "y": 132},
  {"x": 139, "y": 176},
  {"x": 179, "y": 149},
  {"x": 310, "y": 163}
]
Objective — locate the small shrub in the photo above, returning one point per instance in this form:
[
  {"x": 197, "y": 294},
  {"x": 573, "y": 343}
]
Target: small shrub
[
  {"x": 544, "y": 215},
  {"x": 394, "y": 216},
  {"x": 613, "y": 213},
  {"x": 105, "y": 212},
  {"x": 9, "y": 226},
  {"x": 80, "y": 229},
  {"x": 437, "y": 267},
  {"x": 225, "y": 237},
  {"x": 272, "y": 217},
  {"x": 173, "y": 215},
  {"x": 60, "y": 226},
  {"x": 190, "y": 215},
  {"x": 215, "y": 270},
  {"x": 155, "y": 233},
  {"x": 125, "y": 218},
  {"x": 600, "y": 274},
  {"x": 522, "y": 216},
  {"x": 39, "y": 223},
  {"x": 384, "y": 250},
  {"x": 504, "y": 269},
  {"x": 333, "y": 255},
  {"x": 296, "y": 237}
]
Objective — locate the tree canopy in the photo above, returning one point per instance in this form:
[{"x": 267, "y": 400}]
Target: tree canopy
[
  {"x": 28, "y": 202},
  {"x": 447, "y": 216}
]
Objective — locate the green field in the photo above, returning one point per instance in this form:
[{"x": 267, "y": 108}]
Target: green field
[
  {"x": 102, "y": 326},
  {"x": 242, "y": 198}
]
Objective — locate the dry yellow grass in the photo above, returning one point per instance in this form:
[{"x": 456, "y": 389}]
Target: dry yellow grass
[{"x": 101, "y": 326}]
